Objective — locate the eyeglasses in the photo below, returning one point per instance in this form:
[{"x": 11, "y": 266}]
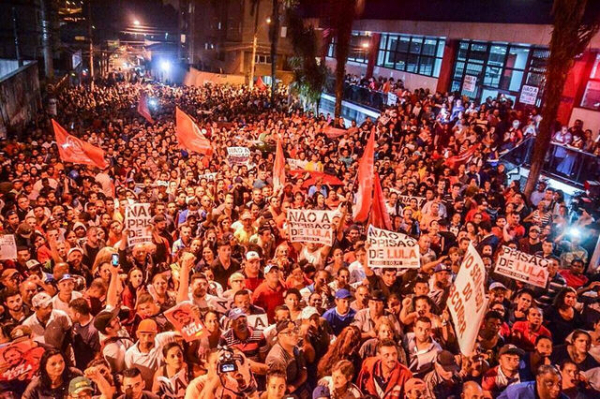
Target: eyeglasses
[{"x": 293, "y": 331}]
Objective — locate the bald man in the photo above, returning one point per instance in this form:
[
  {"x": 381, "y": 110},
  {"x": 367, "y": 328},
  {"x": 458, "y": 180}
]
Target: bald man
[{"x": 472, "y": 390}]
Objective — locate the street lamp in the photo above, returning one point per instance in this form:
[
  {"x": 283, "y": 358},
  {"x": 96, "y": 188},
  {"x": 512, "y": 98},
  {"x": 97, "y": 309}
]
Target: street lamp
[
  {"x": 136, "y": 22},
  {"x": 165, "y": 66}
]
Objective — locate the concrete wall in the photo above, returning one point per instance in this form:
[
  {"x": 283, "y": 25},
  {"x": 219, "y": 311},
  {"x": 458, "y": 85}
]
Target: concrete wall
[{"x": 20, "y": 99}]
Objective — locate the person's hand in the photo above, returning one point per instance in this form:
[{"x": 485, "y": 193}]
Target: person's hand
[
  {"x": 92, "y": 373},
  {"x": 406, "y": 303},
  {"x": 187, "y": 259}
]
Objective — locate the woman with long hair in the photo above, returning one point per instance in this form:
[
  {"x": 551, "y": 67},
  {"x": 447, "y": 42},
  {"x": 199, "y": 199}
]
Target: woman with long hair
[
  {"x": 561, "y": 318},
  {"x": 135, "y": 285},
  {"x": 52, "y": 380},
  {"x": 346, "y": 346}
]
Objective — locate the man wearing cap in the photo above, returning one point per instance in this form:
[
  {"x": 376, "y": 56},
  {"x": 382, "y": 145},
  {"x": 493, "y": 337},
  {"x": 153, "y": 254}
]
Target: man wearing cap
[
  {"x": 66, "y": 293},
  {"x": 253, "y": 275},
  {"x": 269, "y": 294},
  {"x": 286, "y": 355},
  {"x": 366, "y": 319},
  {"x": 80, "y": 388},
  {"x": 342, "y": 315},
  {"x": 117, "y": 340},
  {"x": 505, "y": 373},
  {"x": 250, "y": 341},
  {"x": 146, "y": 354},
  {"x": 547, "y": 385},
  {"x": 415, "y": 388},
  {"x": 443, "y": 381},
  {"x": 442, "y": 280},
  {"x": 246, "y": 230},
  {"x": 11, "y": 278},
  {"x": 49, "y": 326}
]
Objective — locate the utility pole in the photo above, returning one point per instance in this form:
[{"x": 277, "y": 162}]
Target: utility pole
[
  {"x": 16, "y": 35},
  {"x": 47, "y": 40},
  {"x": 91, "y": 44},
  {"x": 254, "y": 44}
]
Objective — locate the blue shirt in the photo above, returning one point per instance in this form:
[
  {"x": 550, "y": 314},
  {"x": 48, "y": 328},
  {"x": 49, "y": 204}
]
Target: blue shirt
[
  {"x": 337, "y": 321},
  {"x": 524, "y": 390}
]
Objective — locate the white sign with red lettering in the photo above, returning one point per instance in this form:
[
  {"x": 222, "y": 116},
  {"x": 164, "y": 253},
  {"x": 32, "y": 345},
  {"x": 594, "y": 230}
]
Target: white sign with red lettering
[
  {"x": 307, "y": 225},
  {"x": 137, "y": 223},
  {"x": 467, "y": 302},
  {"x": 529, "y": 269},
  {"x": 388, "y": 249}
]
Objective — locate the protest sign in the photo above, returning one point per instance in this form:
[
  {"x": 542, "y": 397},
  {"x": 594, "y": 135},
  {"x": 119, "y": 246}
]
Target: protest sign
[
  {"x": 185, "y": 321},
  {"x": 208, "y": 176},
  {"x": 406, "y": 199},
  {"x": 467, "y": 302},
  {"x": 306, "y": 225},
  {"x": 529, "y": 269},
  {"x": 392, "y": 99},
  {"x": 238, "y": 155},
  {"x": 8, "y": 247},
  {"x": 19, "y": 360},
  {"x": 388, "y": 249},
  {"x": 529, "y": 95},
  {"x": 255, "y": 321},
  {"x": 469, "y": 83},
  {"x": 296, "y": 164},
  {"x": 137, "y": 223}
]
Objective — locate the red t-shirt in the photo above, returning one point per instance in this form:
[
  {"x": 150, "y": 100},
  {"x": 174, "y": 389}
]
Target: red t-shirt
[{"x": 268, "y": 298}]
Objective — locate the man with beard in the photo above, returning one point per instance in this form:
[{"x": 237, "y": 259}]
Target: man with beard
[
  {"x": 49, "y": 326},
  {"x": 146, "y": 354},
  {"x": 547, "y": 385},
  {"x": 384, "y": 373},
  {"x": 76, "y": 265},
  {"x": 15, "y": 311},
  {"x": 92, "y": 245}
]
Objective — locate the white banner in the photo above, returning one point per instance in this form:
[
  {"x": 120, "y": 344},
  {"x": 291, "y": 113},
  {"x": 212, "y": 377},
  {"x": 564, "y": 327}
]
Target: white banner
[
  {"x": 520, "y": 266},
  {"x": 238, "y": 155},
  {"x": 529, "y": 95},
  {"x": 392, "y": 99},
  {"x": 137, "y": 222},
  {"x": 306, "y": 225},
  {"x": 296, "y": 164},
  {"x": 469, "y": 83},
  {"x": 8, "y": 247},
  {"x": 467, "y": 302},
  {"x": 388, "y": 249}
]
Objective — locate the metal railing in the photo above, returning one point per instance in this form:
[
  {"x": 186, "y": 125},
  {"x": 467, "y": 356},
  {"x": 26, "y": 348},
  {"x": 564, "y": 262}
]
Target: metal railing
[
  {"x": 364, "y": 96},
  {"x": 566, "y": 163}
]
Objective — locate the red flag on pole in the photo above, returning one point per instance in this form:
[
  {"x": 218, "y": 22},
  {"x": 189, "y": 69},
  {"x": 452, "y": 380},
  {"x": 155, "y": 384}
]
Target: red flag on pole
[
  {"x": 189, "y": 136},
  {"x": 260, "y": 84},
  {"x": 279, "y": 167},
  {"x": 142, "y": 107},
  {"x": 364, "y": 195},
  {"x": 72, "y": 149},
  {"x": 461, "y": 158},
  {"x": 333, "y": 132},
  {"x": 379, "y": 217}
]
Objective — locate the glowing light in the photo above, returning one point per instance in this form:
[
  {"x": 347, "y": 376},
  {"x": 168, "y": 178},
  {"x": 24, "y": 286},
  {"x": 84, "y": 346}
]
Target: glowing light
[
  {"x": 165, "y": 66},
  {"x": 136, "y": 22},
  {"x": 365, "y": 45}
]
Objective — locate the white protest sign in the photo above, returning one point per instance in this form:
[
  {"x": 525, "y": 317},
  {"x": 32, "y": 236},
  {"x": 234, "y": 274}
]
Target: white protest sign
[
  {"x": 306, "y": 225},
  {"x": 296, "y": 164},
  {"x": 258, "y": 321},
  {"x": 529, "y": 95},
  {"x": 405, "y": 199},
  {"x": 388, "y": 249},
  {"x": 208, "y": 176},
  {"x": 8, "y": 247},
  {"x": 238, "y": 155},
  {"x": 137, "y": 221},
  {"x": 467, "y": 302},
  {"x": 392, "y": 99},
  {"x": 469, "y": 83},
  {"x": 520, "y": 266}
]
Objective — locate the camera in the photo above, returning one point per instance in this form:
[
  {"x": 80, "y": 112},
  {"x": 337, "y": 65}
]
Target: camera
[{"x": 227, "y": 361}]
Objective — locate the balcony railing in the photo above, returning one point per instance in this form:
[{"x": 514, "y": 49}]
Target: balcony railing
[{"x": 364, "y": 96}]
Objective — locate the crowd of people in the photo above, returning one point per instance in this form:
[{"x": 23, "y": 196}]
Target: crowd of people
[{"x": 83, "y": 311}]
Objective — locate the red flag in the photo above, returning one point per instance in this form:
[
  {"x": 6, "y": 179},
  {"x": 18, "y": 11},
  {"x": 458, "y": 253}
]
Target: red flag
[
  {"x": 379, "y": 217},
  {"x": 279, "y": 167},
  {"x": 260, "y": 84},
  {"x": 314, "y": 175},
  {"x": 72, "y": 149},
  {"x": 189, "y": 136},
  {"x": 364, "y": 195},
  {"x": 142, "y": 107},
  {"x": 461, "y": 158},
  {"x": 333, "y": 132}
]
